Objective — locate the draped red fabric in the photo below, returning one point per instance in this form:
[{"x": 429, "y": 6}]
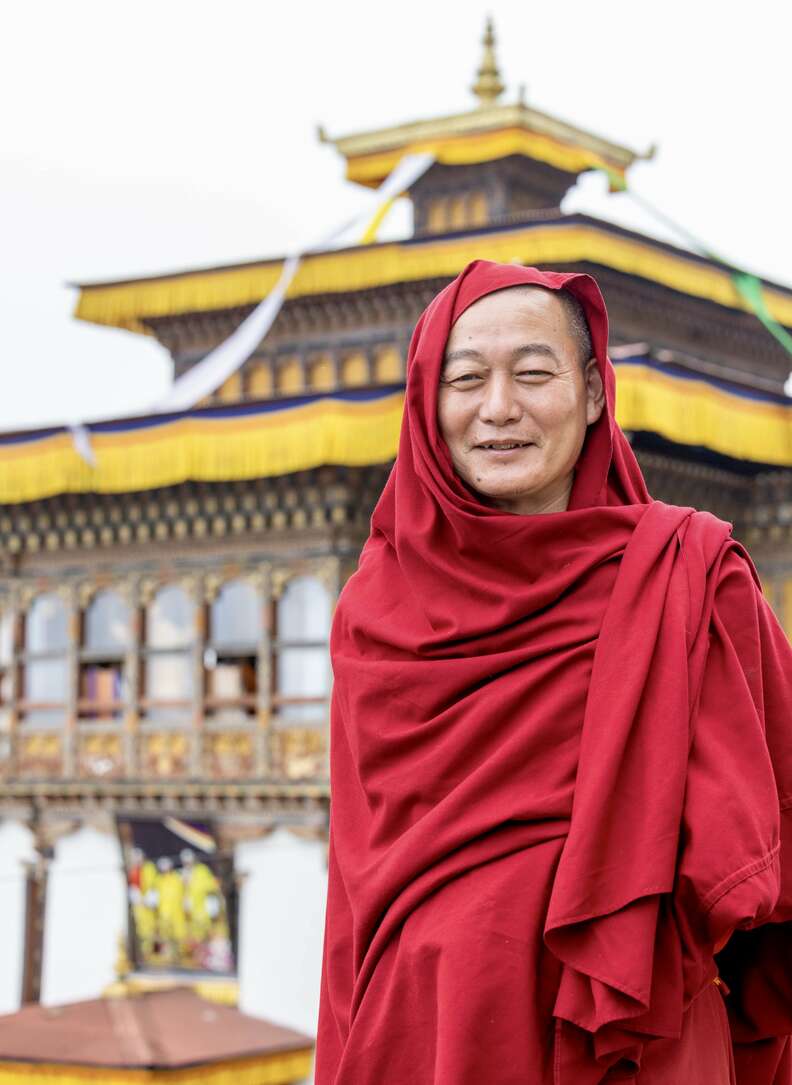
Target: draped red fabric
[{"x": 558, "y": 744}]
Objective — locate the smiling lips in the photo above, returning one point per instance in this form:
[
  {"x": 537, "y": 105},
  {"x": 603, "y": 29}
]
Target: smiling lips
[{"x": 503, "y": 446}]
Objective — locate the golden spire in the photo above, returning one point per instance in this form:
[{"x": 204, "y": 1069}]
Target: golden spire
[{"x": 488, "y": 86}]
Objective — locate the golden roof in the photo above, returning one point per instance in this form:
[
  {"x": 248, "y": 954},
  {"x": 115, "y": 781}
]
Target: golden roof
[
  {"x": 564, "y": 240},
  {"x": 487, "y": 132}
]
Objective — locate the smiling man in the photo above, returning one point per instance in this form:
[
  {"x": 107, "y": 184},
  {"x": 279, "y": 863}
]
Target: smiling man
[
  {"x": 561, "y": 749},
  {"x": 518, "y": 390}
]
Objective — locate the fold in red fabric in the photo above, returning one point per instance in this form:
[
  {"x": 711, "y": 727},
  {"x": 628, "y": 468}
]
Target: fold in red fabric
[{"x": 561, "y": 746}]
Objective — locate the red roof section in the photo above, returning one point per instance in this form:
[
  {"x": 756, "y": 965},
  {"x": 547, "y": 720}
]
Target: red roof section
[{"x": 158, "y": 1029}]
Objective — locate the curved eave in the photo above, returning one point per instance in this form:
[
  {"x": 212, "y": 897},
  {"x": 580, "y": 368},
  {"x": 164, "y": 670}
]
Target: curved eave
[
  {"x": 358, "y": 428},
  {"x": 130, "y": 304},
  {"x": 474, "y": 128},
  {"x": 372, "y": 168}
]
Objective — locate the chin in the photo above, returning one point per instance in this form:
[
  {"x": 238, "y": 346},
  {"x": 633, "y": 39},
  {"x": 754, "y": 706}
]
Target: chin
[{"x": 502, "y": 491}]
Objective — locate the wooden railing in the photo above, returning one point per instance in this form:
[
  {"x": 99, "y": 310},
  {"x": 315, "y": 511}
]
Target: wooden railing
[{"x": 240, "y": 747}]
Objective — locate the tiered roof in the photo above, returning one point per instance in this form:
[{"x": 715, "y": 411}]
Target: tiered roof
[{"x": 746, "y": 420}]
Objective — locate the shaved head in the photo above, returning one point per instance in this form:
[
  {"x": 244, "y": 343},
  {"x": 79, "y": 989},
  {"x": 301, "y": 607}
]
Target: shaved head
[{"x": 576, "y": 318}]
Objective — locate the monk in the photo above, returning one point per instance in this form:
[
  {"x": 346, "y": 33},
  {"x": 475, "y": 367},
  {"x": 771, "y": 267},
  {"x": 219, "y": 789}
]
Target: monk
[{"x": 561, "y": 740}]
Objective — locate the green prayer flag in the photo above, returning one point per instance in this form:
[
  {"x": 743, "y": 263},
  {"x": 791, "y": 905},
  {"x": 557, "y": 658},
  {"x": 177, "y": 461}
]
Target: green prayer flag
[
  {"x": 616, "y": 180},
  {"x": 750, "y": 288}
]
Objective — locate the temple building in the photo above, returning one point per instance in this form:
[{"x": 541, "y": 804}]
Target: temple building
[{"x": 165, "y": 607}]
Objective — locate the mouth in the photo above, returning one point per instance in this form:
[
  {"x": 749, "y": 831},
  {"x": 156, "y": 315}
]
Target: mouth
[{"x": 503, "y": 446}]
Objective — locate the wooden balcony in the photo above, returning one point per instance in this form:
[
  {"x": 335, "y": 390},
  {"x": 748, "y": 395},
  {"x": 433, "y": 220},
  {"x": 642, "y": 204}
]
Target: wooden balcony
[{"x": 229, "y": 745}]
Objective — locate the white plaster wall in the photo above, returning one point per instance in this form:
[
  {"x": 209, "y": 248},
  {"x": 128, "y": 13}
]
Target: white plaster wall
[
  {"x": 85, "y": 916},
  {"x": 16, "y": 845},
  {"x": 281, "y": 921},
  {"x": 281, "y": 928}
]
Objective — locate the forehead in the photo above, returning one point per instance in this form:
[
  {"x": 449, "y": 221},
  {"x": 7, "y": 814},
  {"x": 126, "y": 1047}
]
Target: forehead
[{"x": 522, "y": 310}]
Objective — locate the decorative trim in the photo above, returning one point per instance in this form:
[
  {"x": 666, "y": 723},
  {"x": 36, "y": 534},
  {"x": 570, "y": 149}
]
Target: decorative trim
[
  {"x": 690, "y": 410},
  {"x": 214, "y": 444},
  {"x": 474, "y": 124},
  {"x": 130, "y": 304},
  {"x": 282, "y": 803},
  {"x": 465, "y": 150},
  {"x": 283, "y": 1068},
  {"x": 358, "y": 429}
]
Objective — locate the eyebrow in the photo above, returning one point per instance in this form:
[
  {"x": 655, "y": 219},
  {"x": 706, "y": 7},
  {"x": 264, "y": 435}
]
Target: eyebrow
[{"x": 472, "y": 355}]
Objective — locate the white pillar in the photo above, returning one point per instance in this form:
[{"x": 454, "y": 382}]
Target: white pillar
[
  {"x": 281, "y": 928},
  {"x": 16, "y": 847},
  {"x": 85, "y": 916}
]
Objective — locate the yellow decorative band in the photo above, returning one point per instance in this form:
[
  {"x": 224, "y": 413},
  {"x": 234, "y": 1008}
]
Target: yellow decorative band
[
  {"x": 285, "y": 1068},
  {"x": 691, "y": 411},
  {"x": 466, "y": 150},
  {"x": 481, "y": 147},
  {"x": 357, "y": 429},
  {"x": 210, "y": 446},
  {"x": 127, "y": 305}
]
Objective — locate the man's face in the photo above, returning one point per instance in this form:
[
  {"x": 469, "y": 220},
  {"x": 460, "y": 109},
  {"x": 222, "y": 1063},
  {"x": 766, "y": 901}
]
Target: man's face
[{"x": 513, "y": 377}]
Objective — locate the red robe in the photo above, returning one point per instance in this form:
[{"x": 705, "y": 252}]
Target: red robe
[{"x": 561, "y": 775}]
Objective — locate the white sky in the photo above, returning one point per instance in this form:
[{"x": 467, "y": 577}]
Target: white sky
[{"x": 153, "y": 135}]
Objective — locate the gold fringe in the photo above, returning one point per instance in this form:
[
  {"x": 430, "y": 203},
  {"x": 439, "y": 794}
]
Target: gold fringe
[
  {"x": 329, "y": 431},
  {"x": 693, "y": 412},
  {"x": 127, "y": 305},
  {"x": 280, "y": 1069},
  {"x": 360, "y": 433},
  {"x": 463, "y": 150}
]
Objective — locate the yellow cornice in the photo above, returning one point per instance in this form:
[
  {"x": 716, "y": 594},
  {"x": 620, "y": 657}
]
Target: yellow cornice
[
  {"x": 471, "y": 126},
  {"x": 464, "y": 150},
  {"x": 247, "y": 443},
  {"x": 128, "y": 305},
  {"x": 282, "y": 1068}
]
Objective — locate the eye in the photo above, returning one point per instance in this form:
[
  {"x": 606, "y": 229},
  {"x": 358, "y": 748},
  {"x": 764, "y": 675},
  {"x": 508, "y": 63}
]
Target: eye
[
  {"x": 534, "y": 374},
  {"x": 462, "y": 378}
]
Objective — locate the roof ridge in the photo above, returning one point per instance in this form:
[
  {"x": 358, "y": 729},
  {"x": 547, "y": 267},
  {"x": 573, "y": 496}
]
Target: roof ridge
[{"x": 135, "y": 1046}]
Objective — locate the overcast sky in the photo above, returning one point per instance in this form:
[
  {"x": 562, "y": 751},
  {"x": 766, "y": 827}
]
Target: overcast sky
[{"x": 147, "y": 136}]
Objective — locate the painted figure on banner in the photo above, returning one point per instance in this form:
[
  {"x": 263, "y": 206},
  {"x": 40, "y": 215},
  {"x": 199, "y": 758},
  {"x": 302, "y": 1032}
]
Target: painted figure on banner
[{"x": 179, "y": 911}]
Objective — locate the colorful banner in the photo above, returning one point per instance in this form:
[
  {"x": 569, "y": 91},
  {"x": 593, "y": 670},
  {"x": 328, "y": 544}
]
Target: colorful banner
[{"x": 181, "y": 920}]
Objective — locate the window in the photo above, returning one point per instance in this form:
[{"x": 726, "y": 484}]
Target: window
[
  {"x": 289, "y": 377},
  {"x": 231, "y": 390},
  {"x": 437, "y": 217},
  {"x": 457, "y": 213},
  {"x": 231, "y": 657},
  {"x": 302, "y": 660},
  {"x": 168, "y": 655},
  {"x": 355, "y": 370},
  {"x": 46, "y": 668},
  {"x": 260, "y": 381},
  {"x": 321, "y": 374},
  {"x": 479, "y": 212},
  {"x": 388, "y": 366},
  {"x": 105, "y": 641}
]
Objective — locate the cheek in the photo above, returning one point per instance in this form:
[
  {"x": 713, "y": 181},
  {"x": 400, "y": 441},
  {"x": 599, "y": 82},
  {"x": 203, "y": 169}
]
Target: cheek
[
  {"x": 560, "y": 415},
  {"x": 451, "y": 419},
  {"x": 563, "y": 421}
]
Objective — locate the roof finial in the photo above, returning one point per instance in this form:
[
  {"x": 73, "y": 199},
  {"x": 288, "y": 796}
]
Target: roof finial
[{"x": 488, "y": 86}]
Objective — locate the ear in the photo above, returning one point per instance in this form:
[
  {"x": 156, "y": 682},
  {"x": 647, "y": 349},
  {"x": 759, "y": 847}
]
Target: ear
[{"x": 595, "y": 393}]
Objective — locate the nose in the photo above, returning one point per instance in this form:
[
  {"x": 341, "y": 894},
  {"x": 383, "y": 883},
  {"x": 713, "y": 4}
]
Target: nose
[{"x": 499, "y": 405}]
